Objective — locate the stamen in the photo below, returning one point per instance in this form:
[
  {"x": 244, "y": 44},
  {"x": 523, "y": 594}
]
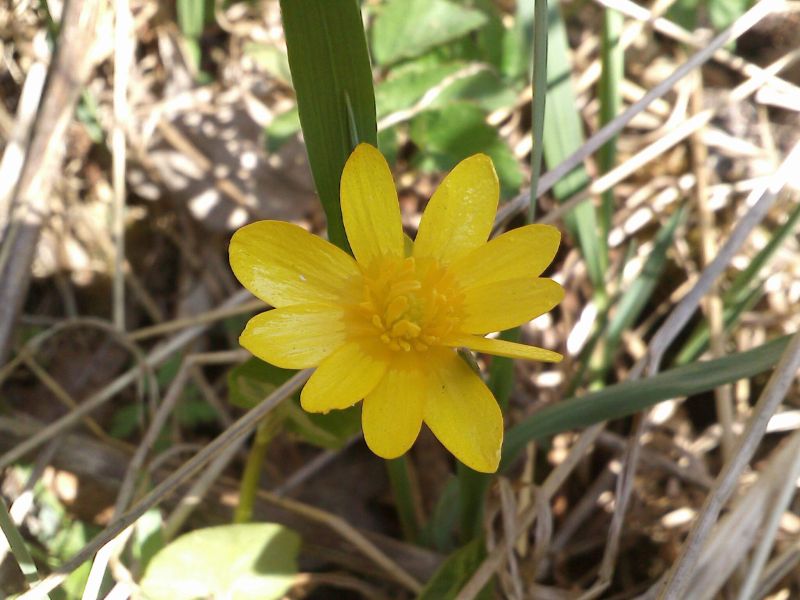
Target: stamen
[
  {"x": 396, "y": 309},
  {"x": 412, "y": 304}
]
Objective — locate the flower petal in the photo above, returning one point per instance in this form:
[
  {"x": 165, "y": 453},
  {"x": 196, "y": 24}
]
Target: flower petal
[
  {"x": 519, "y": 253},
  {"x": 504, "y": 348},
  {"x": 392, "y": 413},
  {"x": 370, "y": 208},
  {"x": 344, "y": 378},
  {"x": 461, "y": 212},
  {"x": 506, "y": 304},
  {"x": 283, "y": 264},
  {"x": 463, "y": 414},
  {"x": 295, "y": 337}
]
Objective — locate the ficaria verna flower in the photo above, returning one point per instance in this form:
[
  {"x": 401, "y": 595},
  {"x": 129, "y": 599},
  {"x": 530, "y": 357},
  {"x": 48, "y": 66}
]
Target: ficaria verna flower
[{"x": 386, "y": 325}]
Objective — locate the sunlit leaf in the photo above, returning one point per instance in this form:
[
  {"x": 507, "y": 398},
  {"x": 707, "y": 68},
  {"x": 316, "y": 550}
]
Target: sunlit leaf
[{"x": 255, "y": 561}]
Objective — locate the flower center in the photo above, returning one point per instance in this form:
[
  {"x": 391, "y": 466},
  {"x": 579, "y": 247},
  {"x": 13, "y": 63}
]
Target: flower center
[{"x": 410, "y": 303}]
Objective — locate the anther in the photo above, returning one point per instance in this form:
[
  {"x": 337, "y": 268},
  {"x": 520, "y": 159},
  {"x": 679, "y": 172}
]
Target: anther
[{"x": 396, "y": 309}]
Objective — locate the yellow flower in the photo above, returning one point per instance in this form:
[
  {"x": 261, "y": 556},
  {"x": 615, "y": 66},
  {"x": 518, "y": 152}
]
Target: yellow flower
[{"x": 385, "y": 327}]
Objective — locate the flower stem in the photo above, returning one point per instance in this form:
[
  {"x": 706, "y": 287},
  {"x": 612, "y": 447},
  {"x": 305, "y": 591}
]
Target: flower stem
[
  {"x": 252, "y": 470},
  {"x": 472, "y": 486},
  {"x": 404, "y": 497},
  {"x": 17, "y": 544}
]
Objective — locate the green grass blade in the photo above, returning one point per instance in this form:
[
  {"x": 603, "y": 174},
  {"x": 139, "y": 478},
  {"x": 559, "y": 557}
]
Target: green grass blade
[
  {"x": 742, "y": 282},
  {"x": 403, "y": 493},
  {"x": 612, "y": 57},
  {"x": 742, "y": 295},
  {"x": 562, "y": 136},
  {"x": 540, "y": 26},
  {"x": 17, "y": 544},
  {"x": 629, "y": 397},
  {"x": 192, "y": 18},
  {"x": 636, "y": 296},
  {"x": 332, "y": 78},
  {"x": 699, "y": 340}
]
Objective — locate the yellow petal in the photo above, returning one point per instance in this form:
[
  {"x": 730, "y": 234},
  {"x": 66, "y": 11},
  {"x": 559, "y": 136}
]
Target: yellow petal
[
  {"x": 392, "y": 413},
  {"x": 463, "y": 414},
  {"x": 283, "y": 264},
  {"x": 519, "y": 253},
  {"x": 295, "y": 337},
  {"x": 370, "y": 208},
  {"x": 506, "y": 304},
  {"x": 461, "y": 212},
  {"x": 344, "y": 378},
  {"x": 504, "y": 348}
]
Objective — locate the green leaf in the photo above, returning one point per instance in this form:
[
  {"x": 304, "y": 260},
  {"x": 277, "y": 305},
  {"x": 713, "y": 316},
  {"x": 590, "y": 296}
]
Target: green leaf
[
  {"x": 723, "y": 13},
  {"x": 629, "y": 397},
  {"x": 76, "y": 535},
  {"x": 407, "y": 28},
  {"x": 270, "y": 58},
  {"x": 283, "y": 127},
  {"x": 332, "y": 430},
  {"x": 252, "y": 381},
  {"x": 455, "y": 572},
  {"x": 148, "y": 537},
  {"x": 718, "y": 13},
  {"x": 192, "y": 18},
  {"x": 255, "y": 561},
  {"x": 518, "y": 43},
  {"x": 451, "y": 81},
  {"x": 333, "y": 83},
  {"x": 438, "y": 531},
  {"x": 450, "y": 135},
  {"x": 562, "y": 136}
]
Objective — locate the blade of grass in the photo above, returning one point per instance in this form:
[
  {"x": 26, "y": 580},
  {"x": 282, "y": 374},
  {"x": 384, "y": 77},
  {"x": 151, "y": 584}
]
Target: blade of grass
[
  {"x": 742, "y": 282},
  {"x": 332, "y": 78},
  {"x": 563, "y": 137},
  {"x": 612, "y": 57},
  {"x": 699, "y": 341},
  {"x": 17, "y": 544},
  {"x": 540, "y": 26},
  {"x": 741, "y": 295},
  {"x": 636, "y": 296},
  {"x": 192, "y": 18},
  {"x": 403, "y": 492},
  {"x": 629, "y": 397}
]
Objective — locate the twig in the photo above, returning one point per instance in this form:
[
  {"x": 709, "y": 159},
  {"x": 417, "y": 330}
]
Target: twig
[
  {"x": 191, "y": 500},
  {"x": 243, "y": 426},
  {"x": 760, "y": 199},
  {"x": 773, "y": 519},
  {"x": 124, "y": 46},
  {"x": 713, "y": 306},
  {"x": 549, "y": 179},
  {"x": 348, "y": 532},
  {"x": 770, "y": 399},
  {"x": 155, "y": 358},
  {"x": 71, "y": 66},
  {"x": 206, "y": 317},
  {"x": 550, "y": 486}
]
